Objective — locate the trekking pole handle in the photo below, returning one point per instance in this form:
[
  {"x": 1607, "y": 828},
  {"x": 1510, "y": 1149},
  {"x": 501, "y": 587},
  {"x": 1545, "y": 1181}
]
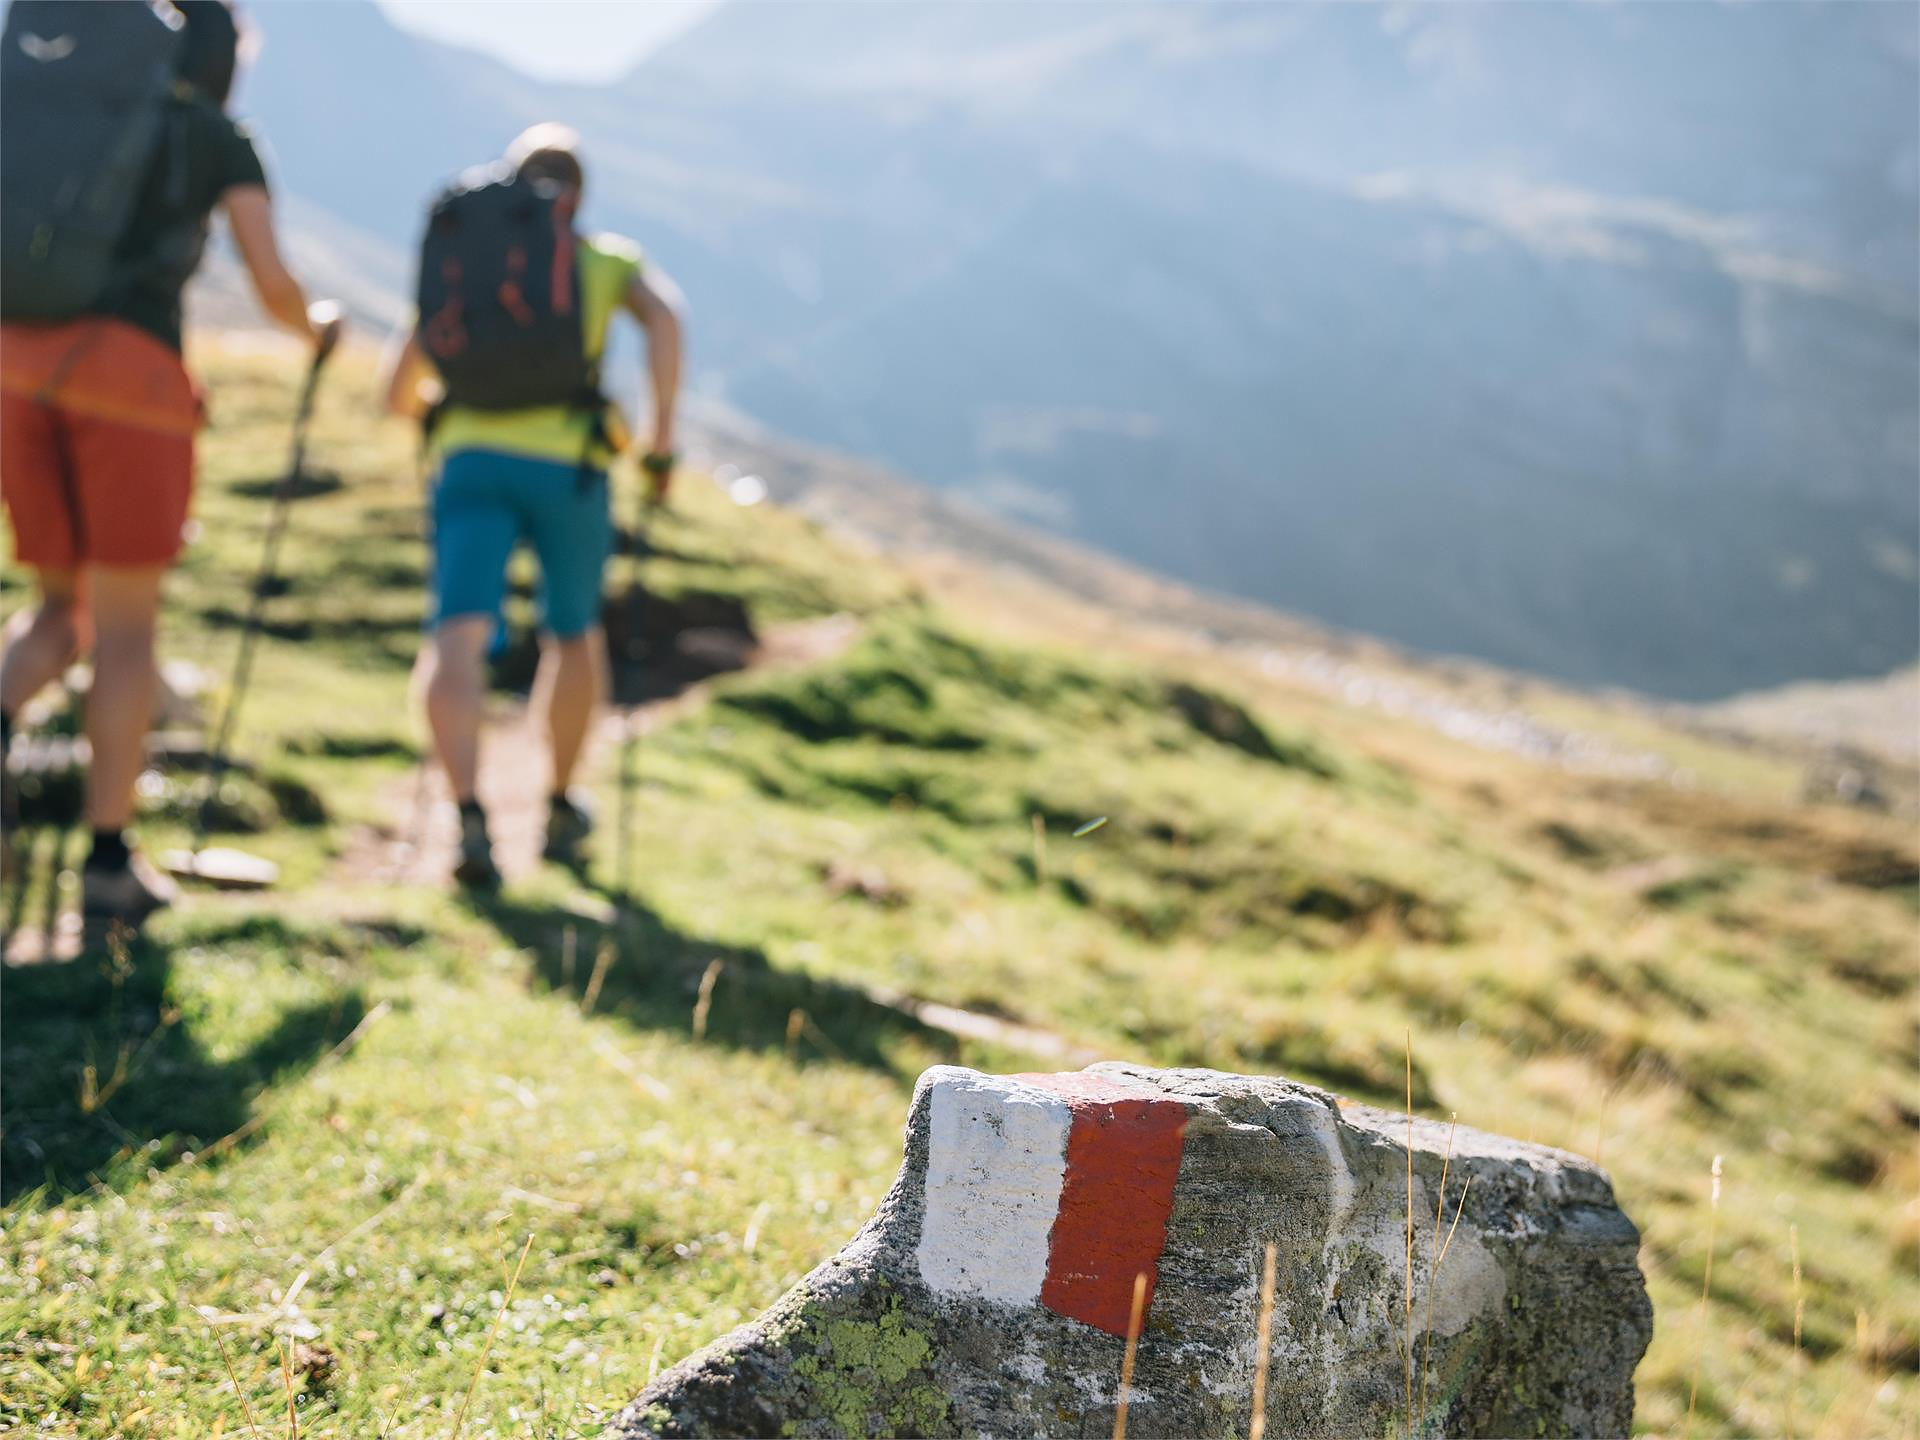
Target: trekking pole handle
[{"x": 324, "y": 316}]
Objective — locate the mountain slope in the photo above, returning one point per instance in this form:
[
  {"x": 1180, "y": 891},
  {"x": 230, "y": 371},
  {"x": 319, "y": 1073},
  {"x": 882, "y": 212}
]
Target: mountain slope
[
  {"x": 327, "y": 1119},
  {"x": 1578, "y": 338}
]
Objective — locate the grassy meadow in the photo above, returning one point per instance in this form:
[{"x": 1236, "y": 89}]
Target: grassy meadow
[{"x": 289, "y": 1147}]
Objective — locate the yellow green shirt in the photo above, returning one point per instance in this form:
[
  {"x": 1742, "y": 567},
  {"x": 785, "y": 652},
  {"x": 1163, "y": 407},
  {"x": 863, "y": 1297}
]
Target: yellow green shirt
[{"x": 608, "y": 264}]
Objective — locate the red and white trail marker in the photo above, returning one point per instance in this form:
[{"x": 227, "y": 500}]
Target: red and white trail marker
[{"x": 1049, "y": 1189}]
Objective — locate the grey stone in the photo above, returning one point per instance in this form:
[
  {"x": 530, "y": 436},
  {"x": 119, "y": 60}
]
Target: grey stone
[{"x": 934, "y": 1319}]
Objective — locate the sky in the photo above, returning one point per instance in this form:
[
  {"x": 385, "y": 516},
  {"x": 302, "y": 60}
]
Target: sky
[{"x": 582, "y": 40}]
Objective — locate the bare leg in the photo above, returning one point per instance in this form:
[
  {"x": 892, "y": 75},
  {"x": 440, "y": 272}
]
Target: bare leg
[
  {"x": 571, "y": 682},
  {"x": 40, "y": 642},
  {"x": 124, "y": 603},
  {"x": 451, "y": 674}
]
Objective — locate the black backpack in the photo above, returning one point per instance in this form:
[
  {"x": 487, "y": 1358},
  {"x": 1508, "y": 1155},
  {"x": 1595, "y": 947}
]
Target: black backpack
[
  {"x": 499, "y": 295},
  {"x": 84, "y": 91}
]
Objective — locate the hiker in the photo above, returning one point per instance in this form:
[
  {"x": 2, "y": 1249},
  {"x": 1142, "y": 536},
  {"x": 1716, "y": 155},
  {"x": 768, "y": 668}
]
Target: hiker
[
  {"x": 502, "y": 367},
  {"x": 123, "y": 106}
]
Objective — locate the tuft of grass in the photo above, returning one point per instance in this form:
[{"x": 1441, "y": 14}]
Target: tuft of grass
[
  {"x": 246, "y": 1408},
  {"x": 1706, "y": 1288},
  {"x": 1263, "y": 1345},
  {"x": 480, "y": 1365},
  {"x": 1134, "y": 1318}
]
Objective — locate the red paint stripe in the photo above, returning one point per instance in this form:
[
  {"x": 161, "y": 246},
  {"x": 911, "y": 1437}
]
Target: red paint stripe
[{"x": 1123, "y": 1157}]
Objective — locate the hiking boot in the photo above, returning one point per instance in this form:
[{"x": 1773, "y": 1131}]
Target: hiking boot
[
  {"x": 475, "y": 870},
  {"x": 568, "y": 825},
  {"x": 122, "y": 896}
]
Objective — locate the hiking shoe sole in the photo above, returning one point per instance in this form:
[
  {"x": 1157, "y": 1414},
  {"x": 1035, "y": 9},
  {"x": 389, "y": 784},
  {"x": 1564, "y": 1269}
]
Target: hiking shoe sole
[
  {"x": 568, "y": 830},
  {"x": 477, "y": 872},
  {"x": 121, "y": 899},
  {"x": 569, "y": 850}
]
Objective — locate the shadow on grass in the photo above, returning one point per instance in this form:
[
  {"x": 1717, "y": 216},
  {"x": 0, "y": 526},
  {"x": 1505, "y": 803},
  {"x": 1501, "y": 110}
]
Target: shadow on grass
[
  {"x": 654, "y": 975},
  {"x": 267, "y": 487},
  {"x": 339, "y": 630},
  {"x": 97, "y": 1061}
]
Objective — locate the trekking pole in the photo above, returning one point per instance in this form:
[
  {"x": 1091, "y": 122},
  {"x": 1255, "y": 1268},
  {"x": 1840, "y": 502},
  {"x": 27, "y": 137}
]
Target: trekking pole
[
  {"x": 218, "y": 762},
  {"x": 633, "y": 646}
]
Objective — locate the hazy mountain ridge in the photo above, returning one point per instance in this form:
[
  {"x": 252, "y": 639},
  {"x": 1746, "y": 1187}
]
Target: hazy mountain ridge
[{"x": 1367, "y": 314}]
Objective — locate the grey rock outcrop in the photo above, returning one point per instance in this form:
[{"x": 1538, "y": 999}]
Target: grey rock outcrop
[{"x": 992, "y": 1291}]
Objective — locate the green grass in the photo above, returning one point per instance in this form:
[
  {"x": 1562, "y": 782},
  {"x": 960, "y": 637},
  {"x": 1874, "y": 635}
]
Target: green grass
[{"x": 329, "y": 1118}]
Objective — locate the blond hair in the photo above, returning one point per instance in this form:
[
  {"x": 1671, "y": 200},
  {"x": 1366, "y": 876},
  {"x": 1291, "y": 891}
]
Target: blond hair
[{"x": 549, "y": 151}]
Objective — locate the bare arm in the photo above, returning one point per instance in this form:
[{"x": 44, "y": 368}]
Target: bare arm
[
  {"x": 410, "y": 384},
  {"x": 250, "y": 219},
  {"x": 655, "y": 301}
]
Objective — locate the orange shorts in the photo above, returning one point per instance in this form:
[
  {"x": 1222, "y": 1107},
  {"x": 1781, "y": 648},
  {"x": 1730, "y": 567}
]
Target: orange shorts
[{"x": 96, "y": 444}]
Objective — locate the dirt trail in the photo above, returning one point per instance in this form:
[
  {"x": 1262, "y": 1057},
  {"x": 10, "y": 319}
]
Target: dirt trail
[
  {"x": 415, "y": 840},
  {"x": 414, "y": 843}
]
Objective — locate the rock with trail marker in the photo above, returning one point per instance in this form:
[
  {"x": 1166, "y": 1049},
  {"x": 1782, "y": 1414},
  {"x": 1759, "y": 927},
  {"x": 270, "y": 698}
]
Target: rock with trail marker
[{"x": 992, "y": 1292}]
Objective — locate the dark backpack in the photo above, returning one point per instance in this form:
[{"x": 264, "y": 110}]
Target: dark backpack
[
  {"x": 84, "y": 91},
  {"x": 499, "y": 295}
]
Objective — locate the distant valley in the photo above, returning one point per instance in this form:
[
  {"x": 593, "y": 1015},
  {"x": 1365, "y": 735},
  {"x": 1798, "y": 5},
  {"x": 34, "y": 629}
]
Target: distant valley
[{"x": 1580, "y": 339}]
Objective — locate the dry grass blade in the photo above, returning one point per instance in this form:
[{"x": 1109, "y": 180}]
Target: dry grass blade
[
  {"x": 286, "y": 1374},
  {"x": 653, "y": 1360},
  {"x": 1126, "y": 1361},
  {"x": 569, "y": 944},
  {"x": 245, "y": 1408},
  {"x": 1600, "y": 1125},
  {"x": 703, "y": 1003},
  {"x": 1263, "y": 1343},
  {"x": 751, "y": 1240},
  {"x": 1458, "y": 1211},
  {"x": 1039, "y": 851},
  {"x": 480, "y": 1366},
  {"x": 601, "y": 962},
  {"x": 1433, "y": 1262},
  {"x": 1706, "y": 1288},
  {"x": 1407, "y": 1342},
  {"x": 1799, "y": 1312},
  {"x": 412, "y": 1189},
  {"x": 647, "y": 1084},
  {"x": 94, "y": 1095}
]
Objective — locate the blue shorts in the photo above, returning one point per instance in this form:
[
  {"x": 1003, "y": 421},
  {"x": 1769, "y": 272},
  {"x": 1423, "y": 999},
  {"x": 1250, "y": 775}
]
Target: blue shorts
[{"x": 485, "y": 503}]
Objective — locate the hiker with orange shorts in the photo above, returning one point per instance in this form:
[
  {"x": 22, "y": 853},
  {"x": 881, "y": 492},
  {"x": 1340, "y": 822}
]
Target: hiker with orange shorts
[{"x": 115, "y": 148}]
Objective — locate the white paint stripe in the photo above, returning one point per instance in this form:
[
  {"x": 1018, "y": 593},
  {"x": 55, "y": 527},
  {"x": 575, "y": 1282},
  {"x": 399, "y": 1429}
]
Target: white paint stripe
[{"x": 997, "y": 1155}]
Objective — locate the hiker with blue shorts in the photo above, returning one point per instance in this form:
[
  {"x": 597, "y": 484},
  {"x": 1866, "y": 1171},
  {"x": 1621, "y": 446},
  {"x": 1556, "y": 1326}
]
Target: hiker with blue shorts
[{"x": 502, "y": 365}]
